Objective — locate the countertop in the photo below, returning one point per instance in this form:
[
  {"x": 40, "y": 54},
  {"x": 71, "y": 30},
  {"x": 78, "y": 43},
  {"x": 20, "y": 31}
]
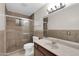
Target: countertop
[{"x": 60, "y": 50}]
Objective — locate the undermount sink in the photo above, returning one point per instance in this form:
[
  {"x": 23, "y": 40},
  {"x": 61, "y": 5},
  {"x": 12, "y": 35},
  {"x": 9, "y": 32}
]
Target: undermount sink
[
  {"x": 50, "y": 43},
  {"x": 53, "y": 45}
]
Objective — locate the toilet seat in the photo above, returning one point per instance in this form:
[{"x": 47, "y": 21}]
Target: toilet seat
[{"x": 28, "y": 45}]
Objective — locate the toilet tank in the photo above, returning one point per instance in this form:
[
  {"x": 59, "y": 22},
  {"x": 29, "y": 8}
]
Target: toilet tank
[{"x": 35, "y": 38}]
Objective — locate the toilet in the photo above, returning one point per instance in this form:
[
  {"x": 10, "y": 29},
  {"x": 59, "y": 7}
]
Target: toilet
[{"x": 29, "y": 47}]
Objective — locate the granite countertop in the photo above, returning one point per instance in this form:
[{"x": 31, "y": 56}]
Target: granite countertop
[{"x": 60, "y": 50}]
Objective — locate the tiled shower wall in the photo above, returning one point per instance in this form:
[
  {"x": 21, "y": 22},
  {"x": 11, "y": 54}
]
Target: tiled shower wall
[
  {"x": 15, "y": 39},
  {"x": 13, "y": 36}
]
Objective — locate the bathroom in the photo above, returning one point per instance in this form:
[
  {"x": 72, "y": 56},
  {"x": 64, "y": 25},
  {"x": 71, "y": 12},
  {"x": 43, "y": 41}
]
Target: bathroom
[{"x": 27, "y": 27}]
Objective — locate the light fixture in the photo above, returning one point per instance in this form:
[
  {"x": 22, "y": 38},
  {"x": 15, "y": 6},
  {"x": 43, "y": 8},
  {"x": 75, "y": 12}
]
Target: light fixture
[{"x": 52, "y": 7}]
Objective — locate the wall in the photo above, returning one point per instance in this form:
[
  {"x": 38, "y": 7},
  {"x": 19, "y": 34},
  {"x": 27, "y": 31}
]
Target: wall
[
  {"x": 38, "y": 21},
  {"x": 31, "y": 26},
  {"x": 2, "y": 29},
  {"x": 64, "y": 23},
  {"x": 67, "y": 18}
]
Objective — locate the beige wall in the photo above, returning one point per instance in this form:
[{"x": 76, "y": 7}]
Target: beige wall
[
  {"x": 2, "y": 29},
  {"x": 2, "y": 16},
  {"x": 64, "y": 24},
  {"x": 60, "y": 23},
  {"x": 65, "y": 19}
]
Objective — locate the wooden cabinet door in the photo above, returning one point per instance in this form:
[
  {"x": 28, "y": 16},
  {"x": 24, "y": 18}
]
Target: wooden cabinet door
[
  {"x": 40, "y": 51},
  {"x": 46, "y": 52},
  {"x": 37, "y": 52}
]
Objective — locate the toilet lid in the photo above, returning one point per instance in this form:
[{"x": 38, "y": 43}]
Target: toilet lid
[{"x": 28, "y": 44}]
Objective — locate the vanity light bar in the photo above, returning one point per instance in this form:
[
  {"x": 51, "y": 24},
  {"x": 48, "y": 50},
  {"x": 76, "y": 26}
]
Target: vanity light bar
[{"x": 56, "y": 8}]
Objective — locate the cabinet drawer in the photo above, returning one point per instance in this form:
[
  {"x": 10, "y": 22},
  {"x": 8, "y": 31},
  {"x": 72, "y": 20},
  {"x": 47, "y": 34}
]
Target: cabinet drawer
[{"x": 37, "y": 52}]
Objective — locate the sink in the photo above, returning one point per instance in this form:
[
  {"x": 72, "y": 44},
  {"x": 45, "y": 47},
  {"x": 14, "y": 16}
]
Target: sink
[{"x": 52, "y": 44}]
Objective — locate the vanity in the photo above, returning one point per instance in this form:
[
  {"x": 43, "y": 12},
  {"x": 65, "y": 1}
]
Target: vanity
[
  {"x": 41, "y": 51},
  {"x": 45, "y": 47}
]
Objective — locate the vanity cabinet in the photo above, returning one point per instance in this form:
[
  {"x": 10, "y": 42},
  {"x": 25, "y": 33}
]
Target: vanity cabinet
[{"x": 41, "y": 51}]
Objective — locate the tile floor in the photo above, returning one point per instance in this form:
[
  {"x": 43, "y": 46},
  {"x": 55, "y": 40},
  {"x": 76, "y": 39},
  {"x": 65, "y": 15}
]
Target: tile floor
[{"x": 20, "y": 53}]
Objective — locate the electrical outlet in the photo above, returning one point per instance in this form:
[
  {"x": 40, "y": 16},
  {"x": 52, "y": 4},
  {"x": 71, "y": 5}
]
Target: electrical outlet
[{"x": 68, "y": 33}]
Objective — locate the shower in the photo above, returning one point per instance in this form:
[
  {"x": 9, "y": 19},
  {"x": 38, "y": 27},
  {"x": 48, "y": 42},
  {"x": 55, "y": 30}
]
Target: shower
[{"x": 17, "y": 32}]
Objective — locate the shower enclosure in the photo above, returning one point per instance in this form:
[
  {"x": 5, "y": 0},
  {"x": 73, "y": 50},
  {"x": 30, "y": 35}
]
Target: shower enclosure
[{"x": 17, "y": 33}]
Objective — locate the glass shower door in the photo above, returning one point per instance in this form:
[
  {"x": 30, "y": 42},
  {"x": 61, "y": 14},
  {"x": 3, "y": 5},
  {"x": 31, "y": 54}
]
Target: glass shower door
[{"x": 17, "y": 33}]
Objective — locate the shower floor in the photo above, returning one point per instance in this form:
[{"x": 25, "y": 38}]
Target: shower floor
[{"x": 19, "y": 53}]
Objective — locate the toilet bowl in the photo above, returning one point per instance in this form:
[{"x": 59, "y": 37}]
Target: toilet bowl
[{"x": 29, "y": 47}]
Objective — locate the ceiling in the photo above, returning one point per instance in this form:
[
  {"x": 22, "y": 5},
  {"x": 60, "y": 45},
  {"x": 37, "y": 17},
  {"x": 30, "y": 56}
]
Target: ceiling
[{"x": 24, "y": 8}]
